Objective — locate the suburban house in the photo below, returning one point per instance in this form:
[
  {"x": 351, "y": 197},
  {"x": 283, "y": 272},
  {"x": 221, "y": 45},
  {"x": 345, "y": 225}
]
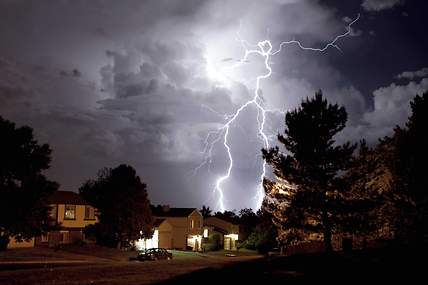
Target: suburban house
[
  {"x": 162, "y": 236},
  {"x": 228, "y": 231},
  {"x": 175, "y": 228},
  {"x": 71, "y": 214}
]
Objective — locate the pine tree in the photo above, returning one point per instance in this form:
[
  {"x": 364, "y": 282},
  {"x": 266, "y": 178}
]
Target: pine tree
[
  {"x": 313, "y": 166},
  {"x": 404, "y": 155}
]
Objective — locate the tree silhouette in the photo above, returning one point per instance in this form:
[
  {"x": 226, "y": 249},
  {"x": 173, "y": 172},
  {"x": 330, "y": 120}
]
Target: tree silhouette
[
  {"x": 313, "y": 166},
  {"x": 24, "y": 190},
  {"x": 363, "y": 203},
  {"x": 229, "y": 216},
  {"x": 206, "y": 211},
  {"x": 123, "y": 205},
  {"x": 248, "y": 221},
  {"x": 263, "y": 234},
  {"x": 404, "y": 156}
]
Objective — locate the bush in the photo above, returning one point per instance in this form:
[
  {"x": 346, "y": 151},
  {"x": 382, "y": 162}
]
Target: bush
[
  {"x": 79, "y": 242},
  {"x": 261, "y": 239},
  {"x": 4, "y": 241},
  {"x": 128, "y": 246},
  {"x": 102, "y": 237},
  {"x": 213, "y": 243}
]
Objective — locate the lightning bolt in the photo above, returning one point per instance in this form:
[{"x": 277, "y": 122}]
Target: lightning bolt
[{"x": 265, "y": 50}]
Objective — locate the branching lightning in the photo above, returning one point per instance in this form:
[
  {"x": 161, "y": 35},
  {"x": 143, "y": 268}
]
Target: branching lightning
[{"x": 265, "y": 50}]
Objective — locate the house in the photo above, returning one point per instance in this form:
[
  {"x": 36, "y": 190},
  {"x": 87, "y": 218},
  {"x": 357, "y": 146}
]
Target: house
[
  {"x": 162, "y": 236},
  {"x": 175, "y": 228},
  {"x": 71, "y": 214},
  {"x": 228, "y": 231}
]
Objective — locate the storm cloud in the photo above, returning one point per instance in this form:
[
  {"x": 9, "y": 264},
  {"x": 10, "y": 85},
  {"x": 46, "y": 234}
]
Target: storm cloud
[{"x": 109, "y": 82}]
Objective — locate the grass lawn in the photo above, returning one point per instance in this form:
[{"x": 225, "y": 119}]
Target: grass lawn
[
  {"x": 229, "y": 253},
  {"x": 104, "y": 266},
  {"x": 91, "y": 253},
  {"x": 375, "y": 266}
]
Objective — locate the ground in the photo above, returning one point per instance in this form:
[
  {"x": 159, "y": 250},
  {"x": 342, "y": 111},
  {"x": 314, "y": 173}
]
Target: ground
[
  {"x": 96, "y": 265},
  {"x": 374, "y": 266},
  {"x": 108, "y": 266}
]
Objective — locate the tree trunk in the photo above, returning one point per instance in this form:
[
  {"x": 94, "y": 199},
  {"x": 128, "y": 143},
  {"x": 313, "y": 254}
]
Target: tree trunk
[
  {"x": 327, "y": 232},
  {"x": 327, "y": 240}
]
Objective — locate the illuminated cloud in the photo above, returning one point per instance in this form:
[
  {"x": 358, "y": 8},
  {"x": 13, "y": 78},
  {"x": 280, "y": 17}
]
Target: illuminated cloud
[
  {"x": 150, "y": 83},
  {"x": 378, "y": 5},
  {"x": 423, "y": 72}
]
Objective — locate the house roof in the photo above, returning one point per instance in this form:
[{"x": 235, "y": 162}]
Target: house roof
[
  {"x": 172, "y": 212},
  {"x": 158, "y": 222},
  {"x": 67, "y": 197}
]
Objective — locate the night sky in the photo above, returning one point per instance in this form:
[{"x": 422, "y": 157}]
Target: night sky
[{"x": 145, "y": 82}]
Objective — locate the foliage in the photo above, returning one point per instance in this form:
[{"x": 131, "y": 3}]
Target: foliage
[
  {"x": 123, "y": 205},
  {"x": 206, "y": 211},
  {"x": 263, "y": 237},
  {"x": 212, "y": 243},
  {"x": 312, "y": 167},
  {"x": 24, "y": 190},
  {"x": 403, "y": 158},
  {"x": 248, "y": 221},
  {"x": 229, "y": 216},
  {"x": 367, "y": 196}
]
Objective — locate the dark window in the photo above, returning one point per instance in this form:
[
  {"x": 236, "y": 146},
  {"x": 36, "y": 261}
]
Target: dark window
[
  {"x": 89, "y": 213},
  {"x": 54, "y": 211}
]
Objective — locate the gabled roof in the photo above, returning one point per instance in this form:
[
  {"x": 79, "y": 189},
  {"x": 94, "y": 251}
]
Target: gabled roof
[
  {"x": 172, "y": 212},
  {"x": 67, "y": 197},
  {"x": 158, "y": 222}
]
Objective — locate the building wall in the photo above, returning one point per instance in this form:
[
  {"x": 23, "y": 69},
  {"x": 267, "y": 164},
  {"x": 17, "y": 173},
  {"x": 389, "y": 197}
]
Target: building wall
[
  {"x": 227, "y": 227},
  {"x": 78, "y": 222},
  {"x": 181, "y": 228},
  {"x": 13, "y": 243},
  {"x": 198, "y": 223},
  {"x": 165, "y": 235},
  {"x": 179, "y": 237},
  {"x": 71, "y": 230}
]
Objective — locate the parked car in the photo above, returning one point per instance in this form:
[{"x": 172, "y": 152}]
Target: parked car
[{"x": 154, "y": 254}]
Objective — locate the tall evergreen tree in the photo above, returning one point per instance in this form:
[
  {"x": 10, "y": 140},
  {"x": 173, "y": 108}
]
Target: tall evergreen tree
[
  {"x": 313, "y": 167},
  {"x": 404, "y": 155},
  {"x": 365, "y": 199},
  {"x": 123, "y": 205}
]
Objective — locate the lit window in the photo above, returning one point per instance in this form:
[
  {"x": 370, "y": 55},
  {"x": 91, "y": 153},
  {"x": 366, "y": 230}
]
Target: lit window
[
  {"x": 205, "y": 233},
  {"x": 192, "y": 224},
  {"x": 89, "y": 213},
  {"x": 70, "y": 212}
]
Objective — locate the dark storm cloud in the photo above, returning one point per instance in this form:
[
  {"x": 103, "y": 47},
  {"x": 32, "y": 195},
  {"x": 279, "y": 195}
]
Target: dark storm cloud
[
  {"x": 423, "y": 72},
  {"x": 378, "y": 5},
  {"x": 109, "y": 82}
]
